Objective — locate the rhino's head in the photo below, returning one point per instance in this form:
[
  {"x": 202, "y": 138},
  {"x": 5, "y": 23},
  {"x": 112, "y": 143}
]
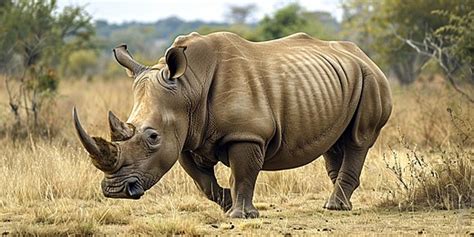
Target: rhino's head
[{"x": 145, "y": 147}]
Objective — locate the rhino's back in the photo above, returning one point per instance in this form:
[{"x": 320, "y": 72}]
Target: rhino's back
[{"x": 294, "y": 95}]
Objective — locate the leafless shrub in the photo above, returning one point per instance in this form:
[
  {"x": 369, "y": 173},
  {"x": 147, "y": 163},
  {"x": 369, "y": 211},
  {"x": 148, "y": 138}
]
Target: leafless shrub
[{"x": 435, "y": 179}]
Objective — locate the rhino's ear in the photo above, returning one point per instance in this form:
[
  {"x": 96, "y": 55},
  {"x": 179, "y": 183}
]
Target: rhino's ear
[
  {"x": 176, "y": 61},
  {"x": 124, "y": 58}
]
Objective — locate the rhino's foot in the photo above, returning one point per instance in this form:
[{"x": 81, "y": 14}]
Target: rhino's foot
[
  {"x": 248, "y": 212},
  {"x": 338, "y": 205}
]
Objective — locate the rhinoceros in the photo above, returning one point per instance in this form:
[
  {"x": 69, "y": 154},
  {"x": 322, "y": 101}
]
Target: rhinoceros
[{"x": 254, "y": 106}]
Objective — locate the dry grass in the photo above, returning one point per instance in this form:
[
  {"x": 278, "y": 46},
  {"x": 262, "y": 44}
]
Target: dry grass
[{"x": 48, "y": 187}]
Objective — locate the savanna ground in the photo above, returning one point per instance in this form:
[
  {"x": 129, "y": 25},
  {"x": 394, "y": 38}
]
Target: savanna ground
[{"x": 415, "y": 178}]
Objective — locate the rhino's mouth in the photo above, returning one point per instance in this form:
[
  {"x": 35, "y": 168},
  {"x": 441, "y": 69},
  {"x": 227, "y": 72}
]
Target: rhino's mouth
[{"x": 130, "y": 188}]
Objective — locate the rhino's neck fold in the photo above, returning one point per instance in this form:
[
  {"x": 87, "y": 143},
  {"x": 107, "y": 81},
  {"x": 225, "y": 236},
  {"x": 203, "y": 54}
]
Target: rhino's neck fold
[{"x": 198, "y": 80}]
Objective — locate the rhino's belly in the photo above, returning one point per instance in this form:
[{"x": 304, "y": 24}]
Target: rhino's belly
[
  {"x": 292, "y": 148},
  {"x": 286, "y": 158}
]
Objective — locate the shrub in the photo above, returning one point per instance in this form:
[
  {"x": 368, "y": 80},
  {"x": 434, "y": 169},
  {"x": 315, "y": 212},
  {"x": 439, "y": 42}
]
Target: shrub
[{"x": 440, "y": 179}]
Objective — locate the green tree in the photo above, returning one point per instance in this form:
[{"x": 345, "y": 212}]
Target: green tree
[
  {"x": 457, "y": 40},
  {"x": 357, "y": 24},
  {"x": 292, "y": 19},
  {"x": 285, "y": 21},
  {"x": 321, "y": 24},
  {"x": 82, "y": 63},
  {"x": 451, "y": 47},
  {"x": 241, "y": 14},
  {"x": 375, "y": 24},
  {"x": 35, "y": 37}
]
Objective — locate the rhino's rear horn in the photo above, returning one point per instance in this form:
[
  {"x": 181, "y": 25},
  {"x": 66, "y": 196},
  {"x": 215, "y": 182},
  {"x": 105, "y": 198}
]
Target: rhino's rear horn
[
  {"x": 103, "y": 153},
  {"x": 125, "y": 59},
  {"x": 119, "y": 131}
]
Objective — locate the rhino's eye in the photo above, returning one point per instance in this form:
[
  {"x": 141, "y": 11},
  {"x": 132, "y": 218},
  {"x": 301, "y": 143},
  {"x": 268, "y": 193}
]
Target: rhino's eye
[{"x": 152, "y": 138}]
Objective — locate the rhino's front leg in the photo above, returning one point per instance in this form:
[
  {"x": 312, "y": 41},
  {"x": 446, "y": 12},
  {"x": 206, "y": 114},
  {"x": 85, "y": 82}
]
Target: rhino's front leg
[
  {"x": 206, "y": 181},
  {"x": 246, "y": 161}
]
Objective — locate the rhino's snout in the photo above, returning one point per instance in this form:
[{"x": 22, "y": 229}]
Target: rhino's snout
[{"x": 131, "y": 189}]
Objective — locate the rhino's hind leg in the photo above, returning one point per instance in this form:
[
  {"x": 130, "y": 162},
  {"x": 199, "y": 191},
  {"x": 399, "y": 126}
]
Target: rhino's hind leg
[
  {"x": 371, "y": 115},
  {"x": 206, "y": 181},
  {"x": 347, "y": 179},
  {"x": 246, "y": 160},
  {"x": 333, "y": 161}
]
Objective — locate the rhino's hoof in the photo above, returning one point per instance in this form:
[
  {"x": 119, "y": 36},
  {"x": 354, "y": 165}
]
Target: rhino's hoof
[
  {"x": 252, "y": 214},
  {"x": 239, "y": 213},
  {"x": 338, "y": 205}
]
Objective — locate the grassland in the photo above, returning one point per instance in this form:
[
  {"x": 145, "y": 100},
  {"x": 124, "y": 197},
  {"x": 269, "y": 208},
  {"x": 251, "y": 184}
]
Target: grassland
[{"x": 49, "y": 187}]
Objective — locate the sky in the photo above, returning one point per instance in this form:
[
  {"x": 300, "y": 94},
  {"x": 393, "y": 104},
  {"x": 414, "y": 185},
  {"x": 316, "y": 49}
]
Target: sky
[{"x": 118, "y": 11}]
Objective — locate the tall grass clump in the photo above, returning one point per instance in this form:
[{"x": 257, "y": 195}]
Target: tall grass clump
[
  {"x": 444, "y": 182},
  {"x": 435, "y": 171}
]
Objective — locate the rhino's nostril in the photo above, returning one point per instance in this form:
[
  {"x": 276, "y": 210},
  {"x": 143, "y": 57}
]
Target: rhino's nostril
[{"x": 134, "y": 189}]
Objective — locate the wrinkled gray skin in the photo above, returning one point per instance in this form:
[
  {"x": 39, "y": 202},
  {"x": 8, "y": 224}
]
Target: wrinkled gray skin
[{"x": 253, "y": 106}]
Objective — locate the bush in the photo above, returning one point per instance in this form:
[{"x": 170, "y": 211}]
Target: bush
[{"x": 439, "y": 179}]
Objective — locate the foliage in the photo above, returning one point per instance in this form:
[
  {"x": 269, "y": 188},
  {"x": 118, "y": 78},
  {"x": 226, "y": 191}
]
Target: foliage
[
  {"x": 450, "y": 47},
  {"x": 356, "y": 24},
  {"x": 33, "y": 30},
  {"x": 241, "y": 14},
  {"x": 373, "y": 24},
  {"x": 292, "y": 19},
  {"x": 82, "y": 63},
  {"x": 35, "y": 38},
  {"x": 148, "y": 39},
  {"x": 285, "y": 21},
  {"x": 458, "y": 37}
]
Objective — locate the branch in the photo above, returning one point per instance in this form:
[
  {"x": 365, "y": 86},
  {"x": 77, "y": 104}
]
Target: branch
[
  {"x": 437, "y": 53},
  {"x": 455, "y": 86}
]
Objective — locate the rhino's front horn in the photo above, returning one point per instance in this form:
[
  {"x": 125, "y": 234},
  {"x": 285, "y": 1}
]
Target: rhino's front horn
[
  {"x": 119, "y": 131},
  {"x": 86, "y": 140},
  {"x": 103, "y": 153},
  {"x": 126, "y": 60}
]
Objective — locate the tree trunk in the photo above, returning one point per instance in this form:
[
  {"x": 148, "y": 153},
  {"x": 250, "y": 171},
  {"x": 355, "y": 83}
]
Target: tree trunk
[{"x": 407, "y": 70}]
